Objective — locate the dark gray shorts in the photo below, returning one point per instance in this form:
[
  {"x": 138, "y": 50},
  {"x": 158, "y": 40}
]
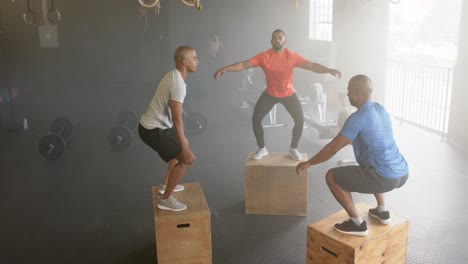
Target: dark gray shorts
[
  {"x": 364, "y": 179},
  {"x": 163, "y": 141}
]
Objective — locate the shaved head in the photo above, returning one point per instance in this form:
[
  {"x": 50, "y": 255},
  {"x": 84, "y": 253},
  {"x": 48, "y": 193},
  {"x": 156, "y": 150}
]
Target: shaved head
[
  {"x": 359, "y": 90},
  {"x": 277, "y": 40},
  {"x": 182, "y": 53},
  {"x": 362, "y": 83},
  {"x": 186, "y": 60},
  {"x": 278, "y": 31}
]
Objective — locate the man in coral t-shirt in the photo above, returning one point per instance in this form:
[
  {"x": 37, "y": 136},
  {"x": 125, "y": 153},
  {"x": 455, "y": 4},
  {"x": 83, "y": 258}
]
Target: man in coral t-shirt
[{"x": 278, "y": 64}]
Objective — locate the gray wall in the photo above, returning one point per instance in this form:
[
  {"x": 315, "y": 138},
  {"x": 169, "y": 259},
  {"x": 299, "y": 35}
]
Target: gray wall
[
  {"x": 360, "y": 36},
  {"x": 458, "y": 123},
  {"x": 96, "y": 68},
  {"x": 106, "y": 61},
  {"x": 245, "y": 28},
  {"x": 361, "y": 40}
]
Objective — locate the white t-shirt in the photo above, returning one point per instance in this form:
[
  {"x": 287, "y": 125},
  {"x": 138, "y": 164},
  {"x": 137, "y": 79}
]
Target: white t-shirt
[{"x": 158, "y": 115}]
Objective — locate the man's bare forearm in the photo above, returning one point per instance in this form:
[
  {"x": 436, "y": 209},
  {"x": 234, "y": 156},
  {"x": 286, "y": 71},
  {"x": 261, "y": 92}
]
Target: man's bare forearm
[{"x": 237, "y": 67}]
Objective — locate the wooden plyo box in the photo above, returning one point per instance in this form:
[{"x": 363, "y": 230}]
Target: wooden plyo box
[
  {"x": 383, "y": 244},
  {"x": 184, "y": 236},
  {"x": 273, "y": 187}
]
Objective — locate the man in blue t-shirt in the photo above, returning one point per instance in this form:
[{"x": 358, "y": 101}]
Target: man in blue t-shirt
[{"x": 381, "y": 168}]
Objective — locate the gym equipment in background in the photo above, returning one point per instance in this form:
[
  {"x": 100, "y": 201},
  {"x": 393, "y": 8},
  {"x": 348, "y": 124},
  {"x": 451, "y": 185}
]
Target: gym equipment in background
[
  {"x": 52, "y": 145},
  {"x": 194, "y": 122},
  {"x": 120, "y": 136}
]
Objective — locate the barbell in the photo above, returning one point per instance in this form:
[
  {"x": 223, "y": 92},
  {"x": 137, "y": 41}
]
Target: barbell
[
  {"x": 52, "y": 145},
  {"x": 194, "y": 122},
  {"x": 120, "y": 136}
]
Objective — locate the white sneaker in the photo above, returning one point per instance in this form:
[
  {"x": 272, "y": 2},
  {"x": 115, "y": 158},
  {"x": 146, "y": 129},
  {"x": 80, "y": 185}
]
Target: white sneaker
[
  {"x": 178, "y": 188},
  {"x": 260, "y": 153},
  {"x": 295, "y": 154},
  {"x": 171, "y": 204}
]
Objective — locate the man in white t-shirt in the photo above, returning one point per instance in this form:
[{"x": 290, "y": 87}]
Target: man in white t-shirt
[{"x": 161, "y": 126}]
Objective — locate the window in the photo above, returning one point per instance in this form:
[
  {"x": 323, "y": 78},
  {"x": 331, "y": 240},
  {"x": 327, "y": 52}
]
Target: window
[{"x": 321, "y": 20}]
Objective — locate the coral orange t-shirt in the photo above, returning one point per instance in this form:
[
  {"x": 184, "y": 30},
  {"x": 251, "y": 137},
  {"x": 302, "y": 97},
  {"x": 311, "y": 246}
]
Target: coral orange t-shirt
[{"x": 278, "y": 68}]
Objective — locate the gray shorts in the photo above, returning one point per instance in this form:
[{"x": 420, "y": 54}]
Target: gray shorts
[{"x": 364, "y": 179}]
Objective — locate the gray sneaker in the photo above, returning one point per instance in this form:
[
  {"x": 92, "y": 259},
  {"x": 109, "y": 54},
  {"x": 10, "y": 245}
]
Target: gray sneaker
[
  {"x": 260, "y": 153},
  {"x": 295, "y": 154},
  {"x": 178, "y": 188},
  {"x": 171, "y": 204}
]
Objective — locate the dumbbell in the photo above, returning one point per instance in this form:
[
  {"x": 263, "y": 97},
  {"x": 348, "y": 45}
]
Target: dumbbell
[
  {"x": 52, "y": 145},
  {"x": 194, "y": 122},
  {"x": 120, "y": 136}
]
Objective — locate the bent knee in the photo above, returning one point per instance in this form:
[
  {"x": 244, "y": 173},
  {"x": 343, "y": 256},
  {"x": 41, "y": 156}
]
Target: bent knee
[
  {"x": 182, "y": 164},
  {"x": 329, "y": 177}
]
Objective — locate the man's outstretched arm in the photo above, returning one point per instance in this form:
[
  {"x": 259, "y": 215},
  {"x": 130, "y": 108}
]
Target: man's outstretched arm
[
  {"x": 236, "y": 67},
  {"x": 317, "y": 68}
]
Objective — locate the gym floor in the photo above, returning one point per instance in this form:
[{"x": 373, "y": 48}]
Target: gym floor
[{"x": 95, "y": 206}]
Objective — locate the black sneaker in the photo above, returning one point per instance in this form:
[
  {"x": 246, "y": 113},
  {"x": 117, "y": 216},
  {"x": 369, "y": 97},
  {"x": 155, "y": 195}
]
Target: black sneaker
[
  {"x": 384, "y": 217},
  {"x": 350, "y": 228}
]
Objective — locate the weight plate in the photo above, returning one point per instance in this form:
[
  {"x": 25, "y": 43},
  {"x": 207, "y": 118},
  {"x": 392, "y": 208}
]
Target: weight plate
[
  {"x": 29, "y": 17},
  {"x": 62, "y": 127},
  {"x": 54, "y": 16},
  {"x": 196, "y": 123},
  {"x": 119, "y": 138},
  {"x": 51, "y": 146},
  {"x": 128, "y": 118}
]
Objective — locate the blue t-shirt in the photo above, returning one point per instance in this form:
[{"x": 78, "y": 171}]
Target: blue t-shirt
[{"x": 370, "y": 130}]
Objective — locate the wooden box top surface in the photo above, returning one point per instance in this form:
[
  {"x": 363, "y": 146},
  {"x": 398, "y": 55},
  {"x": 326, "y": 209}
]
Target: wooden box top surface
[
  {"x": 192, "y": 196},
  {"x": 282, "y": 159},
  {"x": 376, "y": 229}
]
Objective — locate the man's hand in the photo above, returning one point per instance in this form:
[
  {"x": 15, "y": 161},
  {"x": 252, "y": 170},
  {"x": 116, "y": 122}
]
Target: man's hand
[
  {"x": 302, "y": 166},
  {"x": 335, "y": 73},
  {"x": 186, "y": 156},
  {"x": 218, "y": 73}
]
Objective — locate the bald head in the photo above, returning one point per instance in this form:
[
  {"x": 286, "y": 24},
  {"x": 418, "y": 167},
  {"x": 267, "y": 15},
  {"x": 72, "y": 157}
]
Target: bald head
[
  {"x": 362, "y": 83},
  {"x": 186, "y": 60},
  {"x": 182, "y": 53},
  {"x": 359, "y": 90}
]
